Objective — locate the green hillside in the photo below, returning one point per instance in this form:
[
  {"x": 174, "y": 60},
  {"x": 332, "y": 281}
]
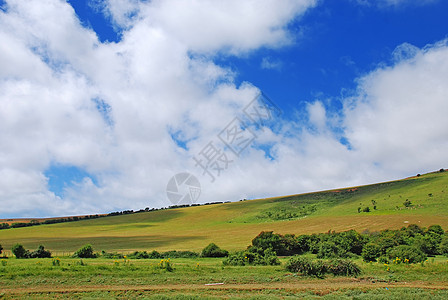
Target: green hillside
[{"x": 233, "y": 225}]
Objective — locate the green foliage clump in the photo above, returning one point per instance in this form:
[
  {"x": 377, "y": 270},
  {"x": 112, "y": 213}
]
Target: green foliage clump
[
  {"x": 330, "y": 249},
  {"x": 318, "y": 268},
  {"x": 212, "y": 250},
  {"x": 179, "y": 254},
  {"x": 252, "y": 256},
  {"x": 343, "y": 267},
  {"x": 1, "y": 249},
  {"x": 306, "y": 266},
  {"x": 443, "y": 247},
  {"x": 40, "y": 253},
  {"x": 371, "y": 252},
  {"x": 409, "y": 253},
  {"x": 112, "y": 255},
  {"x": 85, "y": 252},
  {"x": 166, "y": 264},
  {"x": 19, "y": 251}
]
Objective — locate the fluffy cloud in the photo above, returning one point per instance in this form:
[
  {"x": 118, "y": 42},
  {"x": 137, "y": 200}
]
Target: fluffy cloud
[{"x": 135, "y": 112}]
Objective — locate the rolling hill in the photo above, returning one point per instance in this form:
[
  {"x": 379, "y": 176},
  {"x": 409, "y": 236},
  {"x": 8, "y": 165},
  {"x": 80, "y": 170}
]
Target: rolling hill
[{"x": 233, "y": 225}]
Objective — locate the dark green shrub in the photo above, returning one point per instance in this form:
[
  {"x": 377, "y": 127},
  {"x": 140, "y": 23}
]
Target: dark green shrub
[
  {"x": 244, "y": 258},
  {"x": 343, "y": 267},
  {"x": 366, "y": 209},
  {"x": 329, "y": 249},
  {"x": 40, "y": 253},
  {"x": 302, "y": 244},
  {"x": 384, "y": 260},
  {"x": 155, "y": 254},
  {"x": 306, "y": 266},
  {"x": 85, "y": 252},
  {"x": 268, "y": 239},
  {"x": 212, "y": 250},
  {"x": 113, "y": 255},
  {"x": 371, "y": 252},
  {"x": 437, "y": 229},
  {"x": 443, "y": 247},
  {"x": 179, "y": 254},
  {"x": 351, "y": 241},
  {"x": 19, "y": 251},
  {"x": 403, "y": 252},
  {"x": 429, "y": 243},
  {"x": 407, "y": 203},
  {"x": 1, "y": 249}
]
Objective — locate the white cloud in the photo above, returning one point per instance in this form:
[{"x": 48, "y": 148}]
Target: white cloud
[
  {"x": 270, "y": 64},
  {"x": 160, "y": 79},
  {"x": 398, "y": 120}
]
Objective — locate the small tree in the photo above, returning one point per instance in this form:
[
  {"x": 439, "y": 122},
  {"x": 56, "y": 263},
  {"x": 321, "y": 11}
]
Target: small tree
[
  {"x": 85, "y": 252},
  {"x": 366, "y": 209},
  {"x": 212, "y": 250},
  {"x": 19, "y": 251},
  {"x": 407, "y": 203}
]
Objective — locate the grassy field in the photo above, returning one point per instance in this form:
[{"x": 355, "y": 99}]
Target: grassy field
[
  {"x": 191, "y": 278},
  {"x": 233, "y": 225}
]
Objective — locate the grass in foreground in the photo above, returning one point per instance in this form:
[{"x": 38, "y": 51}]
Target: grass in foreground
[{"x": 99, "y": 278}]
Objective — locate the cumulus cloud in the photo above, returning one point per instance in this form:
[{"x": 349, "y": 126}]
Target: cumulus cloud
[{"x": 135, "y": 112}]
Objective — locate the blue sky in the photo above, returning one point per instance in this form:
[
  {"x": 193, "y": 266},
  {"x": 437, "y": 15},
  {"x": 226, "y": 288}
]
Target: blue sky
[{"x": 105, "y": 101}]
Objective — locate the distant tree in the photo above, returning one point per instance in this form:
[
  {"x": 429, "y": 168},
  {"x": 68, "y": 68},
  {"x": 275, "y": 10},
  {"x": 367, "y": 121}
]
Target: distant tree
[
  {"x": 85, "y": 252},
  {"x": 442, "y": 170},
  {"x": 366, "y": 209},
  {"x": 212, "y": 250},
  {"x": 19, "y": 251},
  {"x": 359, "y": 210}
]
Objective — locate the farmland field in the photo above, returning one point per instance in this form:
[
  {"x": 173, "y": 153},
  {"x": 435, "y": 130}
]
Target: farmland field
[{"x": 233, "y": 225}]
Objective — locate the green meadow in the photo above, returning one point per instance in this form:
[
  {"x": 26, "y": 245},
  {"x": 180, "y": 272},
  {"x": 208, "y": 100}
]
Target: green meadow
[
  {"x": 209, "y": 278},
  {"x": 233, "y": 225}
]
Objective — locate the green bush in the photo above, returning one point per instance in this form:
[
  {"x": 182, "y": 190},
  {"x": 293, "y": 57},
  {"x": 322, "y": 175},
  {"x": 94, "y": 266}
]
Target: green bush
[
  {"x": 318, "y": 268},
  {"x": 85, "y": 252},
  {"x": 343, "y": 267},
  {"x": 268, "y": 239},
  {"x": 429, "y": 243},
  {"x": 19, "y": 251},
  {"x": 371, "y": 252},
  {"x": 443, "y": 247},
  {"x": 40, "y": 253},
  {"x": 113, "y": 255},
  {"x": 155, "y": 254},
  {"x": 212, "y": 250},
  {"x": 179, "y": 254},
  {"x": 329, "y": 249},
  {"x": 1, "y": 249},
  {"x": 244, "y": 258},
  {"x": 413, "y": 254},
  {"x": 306, "y": 266},
  {"x": 437, "y": 229}
]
